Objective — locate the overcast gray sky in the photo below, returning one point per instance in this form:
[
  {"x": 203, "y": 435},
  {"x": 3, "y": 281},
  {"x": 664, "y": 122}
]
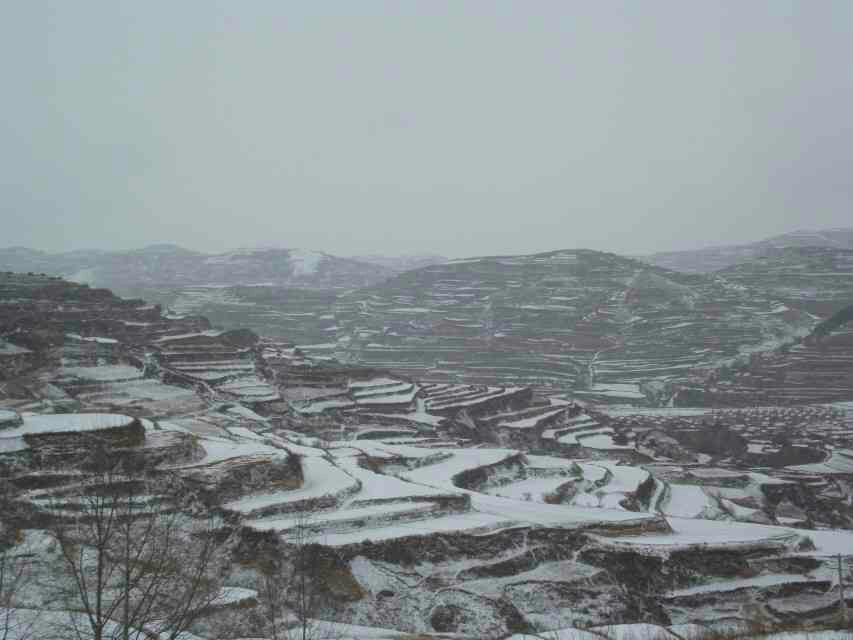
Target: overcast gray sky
[{"x": 460, "y": 128}]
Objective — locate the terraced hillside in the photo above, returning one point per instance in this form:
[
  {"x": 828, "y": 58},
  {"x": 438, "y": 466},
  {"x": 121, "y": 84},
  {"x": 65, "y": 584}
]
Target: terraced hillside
[
  {"x": 74, "y": 344},
  {"x": 816, "y": 368},
  {"x": 817, "y": 279},
  {"x": 465, "y": 540},
  {"x": 302, "y": 315},
  {"x": 605, "y": 327},
  {"x": 457, "y": 508}
]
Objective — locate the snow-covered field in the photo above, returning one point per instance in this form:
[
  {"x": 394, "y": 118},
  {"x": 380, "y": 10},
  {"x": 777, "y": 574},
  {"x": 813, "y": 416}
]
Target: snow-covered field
[
  {"x": 66, "y": 423},
  {"x": 104, "y": 373},
  {"x": 452, "y": 418},
  {"x": 321, "y": 478}
]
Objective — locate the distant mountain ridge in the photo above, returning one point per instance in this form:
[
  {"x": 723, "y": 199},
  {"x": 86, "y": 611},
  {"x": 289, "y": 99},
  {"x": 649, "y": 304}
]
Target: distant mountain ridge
[
  {"x": 403, "y": 262},
  {"x": 710, "y": 259},
  {"x": 169, "y": 265}
]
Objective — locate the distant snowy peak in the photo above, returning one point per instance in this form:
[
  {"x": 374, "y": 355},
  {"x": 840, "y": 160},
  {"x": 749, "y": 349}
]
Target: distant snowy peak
[
  {"x": 167, "y": 265},
  {"x": 305, "y": 263}
]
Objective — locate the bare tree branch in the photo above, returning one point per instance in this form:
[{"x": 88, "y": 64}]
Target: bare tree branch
[{"x": 137, "y": 565}]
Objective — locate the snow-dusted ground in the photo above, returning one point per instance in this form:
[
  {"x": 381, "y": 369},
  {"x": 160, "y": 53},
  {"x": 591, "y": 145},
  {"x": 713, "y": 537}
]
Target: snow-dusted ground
[
  {"x": 136, "y": 391},
  {"x": 9, "y": 349},
  {"x": 767, "y": 580},
  {"x": 628, "y": 391},
  {"x": 211, "y": 333},
  {"x": 371, "y": 505},
  {"x": 342, "y": 477},
  {"x": 96, "y": 339},
  {"x": 601, "y": 441},
  {"x": 615, "y": 410},
  {"x": 604, "y": 484},
  {"x": 376, "y": 486},
  {"x": 644, "y": 631},
  {"x": 221, "y": 449},
  {"x": 321, "y": 478},
  {"x": 470, "y": 522},
  {"x": 103, "y": 373},
  {"x": 685, "y": 501},
  {"x": 621, "y": 480},
  {"x": 330, "y": 518},
  {"x": 305, "y": 262},
  {"x": 66, "y": 422},
  {"x": 440, "y": 475},
  {"x": 838, "y": 462},
  {"x": 688, "y": 531},
  {"x": 527, "y": 423},
  {"x": 534, "y": 489}
]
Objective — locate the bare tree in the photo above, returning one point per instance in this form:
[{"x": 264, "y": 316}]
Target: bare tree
[
  {"x": 15, "y": 575},
  {"x": 134, "y": 562},
  {"x": 292, "y": 591}
]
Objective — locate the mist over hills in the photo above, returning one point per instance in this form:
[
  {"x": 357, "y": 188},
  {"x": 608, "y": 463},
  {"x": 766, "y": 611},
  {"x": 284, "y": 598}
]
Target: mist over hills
[
  {"x": 171, "y": 265},
  {"x": 404, "y": 262},
  {"x": 549, "y": 415},
  {"x": 710, "y": 259},
  {"x": 603, "y": 325},
  {"x": 330, "y": 321},
  {"x": 578, "y": 318}
]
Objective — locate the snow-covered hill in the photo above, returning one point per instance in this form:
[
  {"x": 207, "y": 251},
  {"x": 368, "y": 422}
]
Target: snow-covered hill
[{"x": 166, "y": 266}]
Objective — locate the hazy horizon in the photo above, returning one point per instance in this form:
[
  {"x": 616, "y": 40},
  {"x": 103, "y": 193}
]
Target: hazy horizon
[
  {"x": 391, "y": 255},
  {"x": 457, "y": 129}
]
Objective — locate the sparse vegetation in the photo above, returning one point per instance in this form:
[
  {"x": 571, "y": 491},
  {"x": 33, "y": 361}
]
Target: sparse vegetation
[{"x": 487, "y": 499}]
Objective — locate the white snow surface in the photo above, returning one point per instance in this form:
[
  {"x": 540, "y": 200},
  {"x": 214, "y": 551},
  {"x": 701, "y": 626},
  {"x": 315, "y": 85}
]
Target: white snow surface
[
  {"x": 321, "y": 478},
  {"x": 9, "y": 349},
  {"x": 304, "y": 262},
  {"x": 441, "y": 474},
  {"x": 103, "y": 373},
  {"x": 221, "y": 449},
  {"x": 686, "y": 501},
  {"x": 602, "y": 441},
  {"x": 97, "y": 339},
  {"x": 230, "y": 595},
  {"x": 528, "y": 423},
  {"x": 471, "y": 522},
  {"x": 687, "y": 531},
  {"x": 67, "y": 422},
  {"x": 375, "y": 486},
  {"x": 336, "y": 515},
  {"x": 767, "y": 580},
  {"x": 534, "y": 488}
]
